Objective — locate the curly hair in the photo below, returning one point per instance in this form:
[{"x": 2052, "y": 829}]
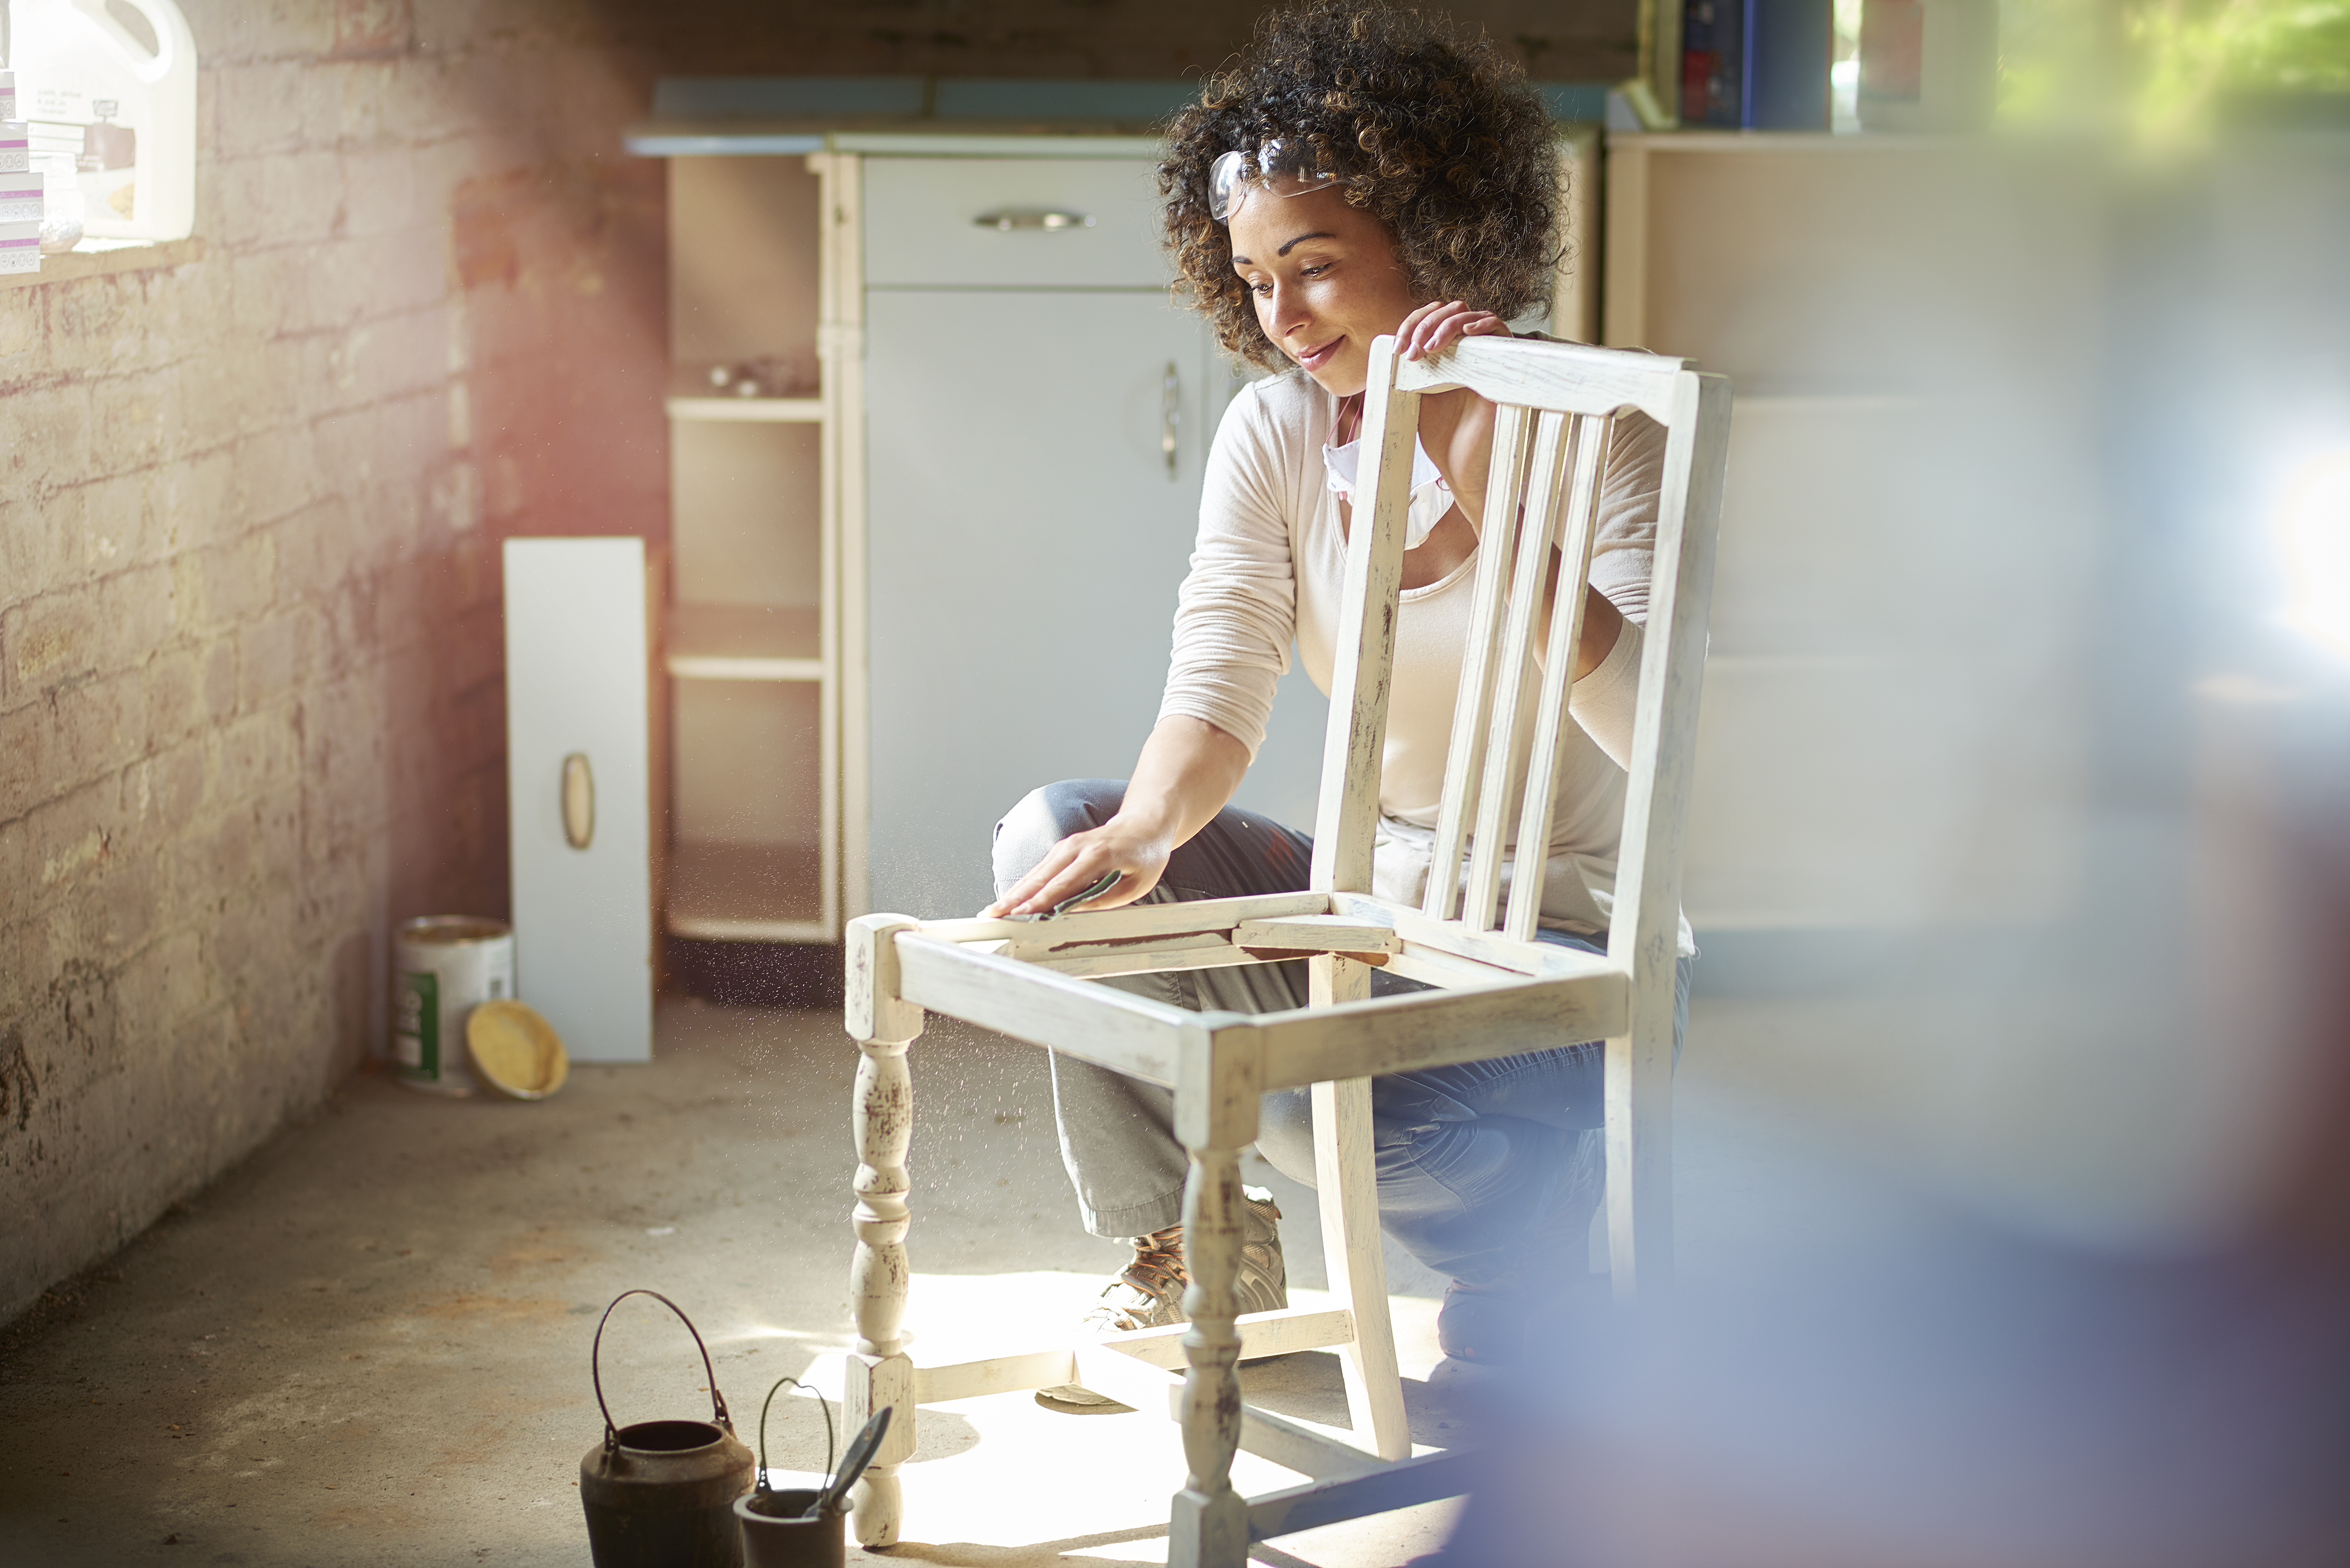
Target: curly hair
[{"x": 1430, "y": 130}]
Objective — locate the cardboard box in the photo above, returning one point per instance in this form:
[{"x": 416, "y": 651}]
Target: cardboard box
[
  {"x": 21, "y": 198},
  {"x": 20, "y": 247}
]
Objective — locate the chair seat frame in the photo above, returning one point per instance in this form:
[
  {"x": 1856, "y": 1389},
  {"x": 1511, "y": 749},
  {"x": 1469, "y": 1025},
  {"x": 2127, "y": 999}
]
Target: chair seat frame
[{"x": 1498, "y": 991}]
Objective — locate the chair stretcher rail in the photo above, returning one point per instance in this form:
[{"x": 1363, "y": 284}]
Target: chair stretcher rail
[
  {"x": 1434, "y": 1029},
  {"x": 1427, "y": 1478},
  {"x": 1095, "y": 1022}
]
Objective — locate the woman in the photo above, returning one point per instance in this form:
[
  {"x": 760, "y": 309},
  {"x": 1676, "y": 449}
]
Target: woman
[{"x": 1354, "y": 173}]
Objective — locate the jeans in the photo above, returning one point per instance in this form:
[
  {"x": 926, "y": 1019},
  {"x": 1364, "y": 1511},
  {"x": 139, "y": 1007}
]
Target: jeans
[{"x": 1476, "y": 1163}]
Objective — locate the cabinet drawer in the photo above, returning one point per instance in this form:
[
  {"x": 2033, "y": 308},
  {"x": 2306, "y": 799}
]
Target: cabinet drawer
[{"x": 922, "y": 230}]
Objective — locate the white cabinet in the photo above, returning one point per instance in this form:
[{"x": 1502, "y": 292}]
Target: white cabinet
[
  {"x": 1024, "y": 538},
  {"x": 1894, "y": 731},
  {"x": 933, "y": 564},
  {"x": 577, "y": 704},
  {"x": 1035, "y": 417}
]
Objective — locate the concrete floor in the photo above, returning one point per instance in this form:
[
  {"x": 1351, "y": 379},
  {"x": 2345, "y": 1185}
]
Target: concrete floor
[{"x": 370, "y": 1344}]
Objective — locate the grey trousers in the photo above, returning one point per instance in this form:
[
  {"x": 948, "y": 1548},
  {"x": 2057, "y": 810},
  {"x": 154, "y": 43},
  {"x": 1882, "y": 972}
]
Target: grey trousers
[{"x": 1474, "y": 1161}]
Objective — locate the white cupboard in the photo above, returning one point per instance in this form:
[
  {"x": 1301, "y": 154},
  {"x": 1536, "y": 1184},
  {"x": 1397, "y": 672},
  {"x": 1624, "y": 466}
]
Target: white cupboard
[
  {"x": 1037, "y": 415},
  {"x": 931, "y": 562},
  {"x": 1894, "y": 731},
  {"x": 1026, "y": 534}
]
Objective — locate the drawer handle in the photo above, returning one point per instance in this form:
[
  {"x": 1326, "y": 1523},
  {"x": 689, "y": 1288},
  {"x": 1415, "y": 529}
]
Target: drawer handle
[
  {"x": 578, "y": 802},
  {"x": 1004, "y": 223}
]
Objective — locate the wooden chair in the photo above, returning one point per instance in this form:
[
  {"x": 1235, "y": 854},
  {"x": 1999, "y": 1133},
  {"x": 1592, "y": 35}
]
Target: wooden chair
[{"x": 1500, "y": 991}]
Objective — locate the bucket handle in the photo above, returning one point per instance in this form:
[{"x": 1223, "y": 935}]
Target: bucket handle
[
  {"x": 595, "y": 1370},
  {"x": 762, "y": 1487}
]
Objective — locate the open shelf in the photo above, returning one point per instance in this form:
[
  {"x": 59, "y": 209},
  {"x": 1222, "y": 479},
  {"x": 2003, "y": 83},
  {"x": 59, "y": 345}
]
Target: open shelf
[
  {"x": 753, "y": 832},
  {"x": 748, "y": 411},
  {"x": 746, "y": 893},
  {"x": 745, "y": 642}
]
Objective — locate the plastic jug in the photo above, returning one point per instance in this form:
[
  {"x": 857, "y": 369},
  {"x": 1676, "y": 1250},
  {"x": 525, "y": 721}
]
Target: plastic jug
[{"x": 121, "y": 115}]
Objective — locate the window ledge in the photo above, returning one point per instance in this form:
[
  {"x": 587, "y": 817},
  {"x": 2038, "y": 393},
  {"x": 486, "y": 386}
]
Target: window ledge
[{"x": 135, "y": 256}]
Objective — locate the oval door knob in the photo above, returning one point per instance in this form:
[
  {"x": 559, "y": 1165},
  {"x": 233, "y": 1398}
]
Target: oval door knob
[{"x": 578, "y": 800}]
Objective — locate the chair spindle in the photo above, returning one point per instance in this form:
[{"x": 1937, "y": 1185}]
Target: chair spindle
[
  {"x": 1505, "y": 499},
  {"x": 1505, "y": 742},
  {"x": 1531, "y": 860}
]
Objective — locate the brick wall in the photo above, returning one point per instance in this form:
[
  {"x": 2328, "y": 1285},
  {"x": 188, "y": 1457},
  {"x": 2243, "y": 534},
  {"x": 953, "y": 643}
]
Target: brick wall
[
  {"x": 251, "y": 495},
  {"x": 250, "y": 680},
  {"x": 1559, "y": 40}
]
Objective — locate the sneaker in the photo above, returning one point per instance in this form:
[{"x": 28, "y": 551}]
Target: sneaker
[
  {"x": 1471, "y": 1392},
  {"x": 1486, "y": 1324},
  {"x": 1149, "y": 1292}
]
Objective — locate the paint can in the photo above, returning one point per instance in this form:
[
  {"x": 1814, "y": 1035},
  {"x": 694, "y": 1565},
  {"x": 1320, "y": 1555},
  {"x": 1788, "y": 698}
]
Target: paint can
[{"x": 442, "y": 966}]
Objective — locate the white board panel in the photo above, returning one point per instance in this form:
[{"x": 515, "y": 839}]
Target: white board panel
[{"x": 575, "y": 664}]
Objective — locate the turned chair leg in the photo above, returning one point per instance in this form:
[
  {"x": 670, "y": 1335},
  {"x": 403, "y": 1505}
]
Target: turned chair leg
[
  {"x": 1208, "y": 1528},
  {"x": 1216, "y": 1095},
  {"x": 879, "y": 1375}
]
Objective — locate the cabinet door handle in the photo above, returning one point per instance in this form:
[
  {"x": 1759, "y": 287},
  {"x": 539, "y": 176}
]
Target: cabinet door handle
[
  {"x": 578, "y": 800},
  {"x": 1170, "y": 413},
  {"x": 1007, "y": 221}
]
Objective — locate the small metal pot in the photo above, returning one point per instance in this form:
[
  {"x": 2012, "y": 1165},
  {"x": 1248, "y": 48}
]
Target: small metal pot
[
  {"x": 773, "y": 1534},
  {"x": 660, "y": 1494},
  {"x": 776, "y": 1536}
]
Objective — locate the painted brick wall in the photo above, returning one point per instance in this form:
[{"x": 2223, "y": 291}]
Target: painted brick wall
[
  {"x": 250, "y": 504},
  {"x": 1558, "y": 40},
  {"x": 250, "y": 674}
]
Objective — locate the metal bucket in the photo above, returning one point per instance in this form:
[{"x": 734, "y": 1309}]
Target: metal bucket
[
  {"x": 776, "y": 1536},
  {"x": 443, "y": 966},
  {"x": 660, "y": 1494},
  {"x": 773, "y": 1534}
]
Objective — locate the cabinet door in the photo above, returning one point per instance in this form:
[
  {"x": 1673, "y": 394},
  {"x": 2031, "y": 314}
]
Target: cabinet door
[
  {"x": 1025, "y": 543},
  {"x": 575, "y": 687}
]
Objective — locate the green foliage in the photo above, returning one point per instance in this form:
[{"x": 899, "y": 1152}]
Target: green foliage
[
  {"x": 2192, "y": 52},
  {"x": 2162, "y": 65}
]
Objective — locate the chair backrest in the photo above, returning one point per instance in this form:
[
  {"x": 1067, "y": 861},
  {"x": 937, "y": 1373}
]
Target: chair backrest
[{"x": 1556, "y": 409}]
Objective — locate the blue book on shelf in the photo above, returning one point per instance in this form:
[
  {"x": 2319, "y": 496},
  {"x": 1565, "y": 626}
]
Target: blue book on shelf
[
  {"x": 1713, "y": 34},
  {"x": 1757, "y": 65}
]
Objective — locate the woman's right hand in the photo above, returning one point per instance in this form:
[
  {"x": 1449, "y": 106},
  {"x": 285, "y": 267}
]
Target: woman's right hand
[
  {"x": 1188, "y": 770},
  {"x": 1082, "y": 859}
]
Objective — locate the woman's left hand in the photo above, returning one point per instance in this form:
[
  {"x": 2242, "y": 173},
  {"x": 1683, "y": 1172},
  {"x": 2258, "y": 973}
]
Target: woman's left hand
[
  {"x": 1436, "y": 327},
  {"x": 1456, "y": 427}
]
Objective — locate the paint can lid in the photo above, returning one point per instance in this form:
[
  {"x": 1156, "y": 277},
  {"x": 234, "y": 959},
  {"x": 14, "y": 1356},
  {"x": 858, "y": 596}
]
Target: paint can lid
[
  {"x": 515, "y": 1050},
  {"x": 453, "y": 930}
]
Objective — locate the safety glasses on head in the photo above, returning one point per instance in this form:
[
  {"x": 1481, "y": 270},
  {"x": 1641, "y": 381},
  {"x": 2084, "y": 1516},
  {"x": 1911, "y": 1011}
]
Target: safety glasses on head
[{"x": 1232, "y": 175}]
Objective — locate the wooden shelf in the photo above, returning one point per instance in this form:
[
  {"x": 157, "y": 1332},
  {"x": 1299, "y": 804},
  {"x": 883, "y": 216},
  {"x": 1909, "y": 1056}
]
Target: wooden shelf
[
  {"x": 748, "y": 411},
  {"x": 1716, "y": 141},
  {"x": 746, "y": 893},
  {"x": 745, "y": 642}
]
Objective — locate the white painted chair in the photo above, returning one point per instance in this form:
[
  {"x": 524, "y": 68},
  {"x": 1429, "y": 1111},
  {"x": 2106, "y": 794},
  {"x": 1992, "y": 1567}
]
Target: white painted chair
[{"x": 1500, "y": 991}]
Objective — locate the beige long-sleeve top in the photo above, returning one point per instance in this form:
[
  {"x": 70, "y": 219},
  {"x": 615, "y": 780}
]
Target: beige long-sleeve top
[{"x": 1269, "y": 569}]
